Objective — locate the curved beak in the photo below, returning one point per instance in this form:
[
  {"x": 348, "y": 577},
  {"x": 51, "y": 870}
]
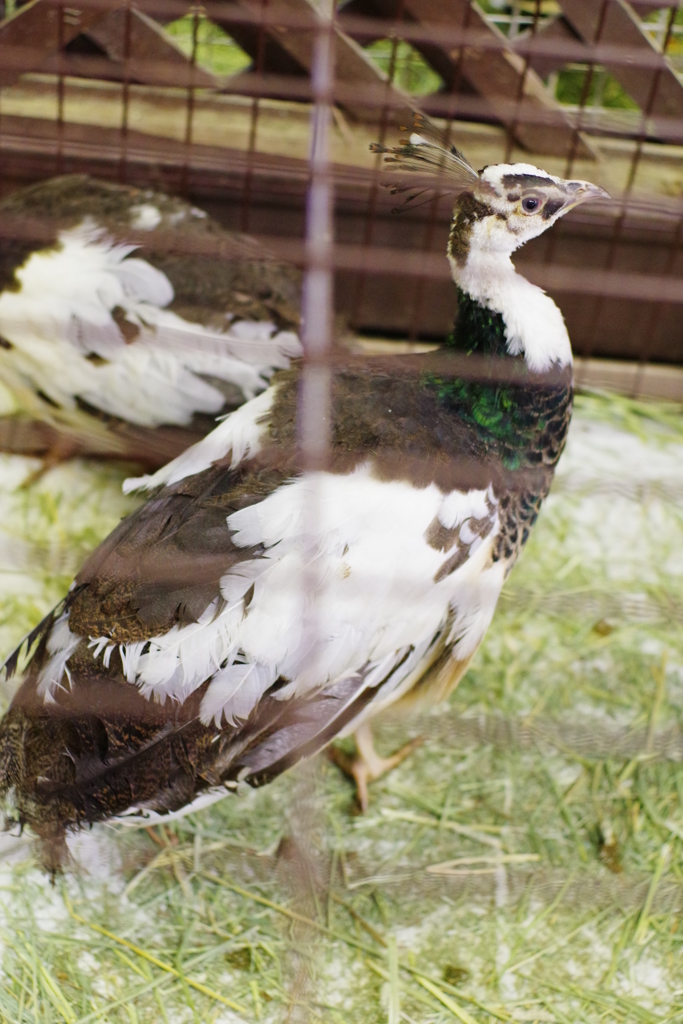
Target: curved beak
[{"x": 583, "y": 192}]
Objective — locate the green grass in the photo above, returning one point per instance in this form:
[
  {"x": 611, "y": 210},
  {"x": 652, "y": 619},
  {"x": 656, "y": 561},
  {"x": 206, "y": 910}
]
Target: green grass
[
  {"x": 406, "y": 67},
  {"x": 524, "y": 864},
  {"x": 578, "y": 85},
  {"x": 216, "y": 51}
]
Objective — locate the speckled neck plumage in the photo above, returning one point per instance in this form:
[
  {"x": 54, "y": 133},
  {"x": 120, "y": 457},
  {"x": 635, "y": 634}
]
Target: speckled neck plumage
[
  {"x": 518, "y": 419},
  {"x": 511, "y": 410}
]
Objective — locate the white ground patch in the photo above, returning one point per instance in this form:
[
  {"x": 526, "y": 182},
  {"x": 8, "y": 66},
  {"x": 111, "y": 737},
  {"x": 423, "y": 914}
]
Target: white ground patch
[{"x": 616, "y": 503}]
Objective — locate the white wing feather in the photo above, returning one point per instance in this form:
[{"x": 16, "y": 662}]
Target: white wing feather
[
  {"x": 241, "y": 433},
  {"x": 377, "y": 603}
]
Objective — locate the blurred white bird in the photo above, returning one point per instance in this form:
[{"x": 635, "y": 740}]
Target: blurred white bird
[{"x": 129, "y": 320}]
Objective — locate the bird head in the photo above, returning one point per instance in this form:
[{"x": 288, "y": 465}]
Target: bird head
[
  {"x": 497, "y": 209},
  {"x": 507, "y": 205}
]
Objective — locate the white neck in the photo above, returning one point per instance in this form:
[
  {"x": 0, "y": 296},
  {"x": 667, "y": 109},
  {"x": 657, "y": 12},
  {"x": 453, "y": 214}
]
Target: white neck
[{"x": 534, "y": 325}]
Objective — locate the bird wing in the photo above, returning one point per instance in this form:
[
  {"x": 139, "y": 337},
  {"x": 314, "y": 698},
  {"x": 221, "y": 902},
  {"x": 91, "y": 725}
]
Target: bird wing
[
  {"x": 247, "y": 614},
  {"x": 149, "y": 337}
]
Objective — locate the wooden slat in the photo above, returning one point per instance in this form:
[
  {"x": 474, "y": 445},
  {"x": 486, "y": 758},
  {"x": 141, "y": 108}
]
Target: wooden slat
[
  {"x": 265, "y": 52},
  {"x": 436, "y": 56},
  {"x": 656, "y": 90},
  {"x": 552, "y": 30},
  {"x": 30, "y": 35},
  {"x": 352, "y": 64},
  {"x": 153, "y": 59},
  {"x": 498, "y": 74},
  {"x": 637, "y": 380}
]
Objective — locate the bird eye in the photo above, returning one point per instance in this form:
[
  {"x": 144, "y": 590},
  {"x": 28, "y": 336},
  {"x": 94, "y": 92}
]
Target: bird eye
[{"x": 530, "y": 205}]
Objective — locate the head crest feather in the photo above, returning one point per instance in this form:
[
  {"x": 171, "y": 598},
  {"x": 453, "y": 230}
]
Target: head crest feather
[{"x": 442, "y": 168}]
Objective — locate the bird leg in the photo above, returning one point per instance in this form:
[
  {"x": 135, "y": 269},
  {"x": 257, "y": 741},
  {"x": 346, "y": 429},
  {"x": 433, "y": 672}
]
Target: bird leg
[
  {"x": 62, "y": 448},
  {"x": 368, "y": 765}
]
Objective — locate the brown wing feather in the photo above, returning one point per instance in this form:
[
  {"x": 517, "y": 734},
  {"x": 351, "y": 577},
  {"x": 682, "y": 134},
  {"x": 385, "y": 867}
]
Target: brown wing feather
[
  {"x": 103, "y": 749},
  {"x": 162, "y": 565}
]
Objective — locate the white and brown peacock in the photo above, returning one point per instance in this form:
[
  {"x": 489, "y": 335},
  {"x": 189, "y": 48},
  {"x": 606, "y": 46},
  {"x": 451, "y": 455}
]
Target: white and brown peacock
[{"x": 190, "y": 655}]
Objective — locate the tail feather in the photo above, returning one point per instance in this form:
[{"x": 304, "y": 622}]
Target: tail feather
[
  {"x": 102, "y": 751},
  {"x": 39, "y": 633}
]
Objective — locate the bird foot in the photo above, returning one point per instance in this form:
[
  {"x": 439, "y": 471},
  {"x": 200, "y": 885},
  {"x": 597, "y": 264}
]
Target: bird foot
[{"x": 368, "y": 766}]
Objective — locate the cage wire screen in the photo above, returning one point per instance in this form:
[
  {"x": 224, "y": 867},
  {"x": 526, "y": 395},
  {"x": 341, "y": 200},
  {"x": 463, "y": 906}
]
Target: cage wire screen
[{"x": 202, "y": 268}]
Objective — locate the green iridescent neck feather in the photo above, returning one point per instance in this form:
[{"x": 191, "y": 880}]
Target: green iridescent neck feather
[
  {"x": 477, "y": 329},
  {"x": 517, "y": 419}
]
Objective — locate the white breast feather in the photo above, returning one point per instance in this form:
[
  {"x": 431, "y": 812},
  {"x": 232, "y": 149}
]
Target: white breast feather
[
  {"x": 459, "y": 506},
  {"x": 63, "y": 312},
  {"x": 376, "y": 598},
  {"x": 534, "y": 325}
]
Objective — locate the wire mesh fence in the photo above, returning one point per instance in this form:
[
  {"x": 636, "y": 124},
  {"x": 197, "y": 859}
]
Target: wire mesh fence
[
  {"x": 524, "y": 863},
  {"x": 228, "y": 136}
]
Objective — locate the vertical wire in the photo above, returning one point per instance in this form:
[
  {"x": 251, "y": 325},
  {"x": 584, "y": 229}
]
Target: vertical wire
[
  {"x": 587, "y": 82},
  {"x": 652, "y": 96},
  {"x": 314, "y": 400},
  {"x": 313, "y": 427},
  {"x": 253, "y": 126},
  {"x": 61, "y": 14},
  {"x": 184, "y": 177},
  {"x": 657, "y": 311},
  {"x": 371, "y": 213},
  {"x": 554, "y": 236},
  {"x": 618, "y": 228},
  {"x": 427, "y": 245},
  {"x": 654, "y": 321},
  {"x": 314, "y": 432},
  {"x": 430, "y": 228},
  {"x": 125, "y": 90},
  {"x": 512, "y": 127}
]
